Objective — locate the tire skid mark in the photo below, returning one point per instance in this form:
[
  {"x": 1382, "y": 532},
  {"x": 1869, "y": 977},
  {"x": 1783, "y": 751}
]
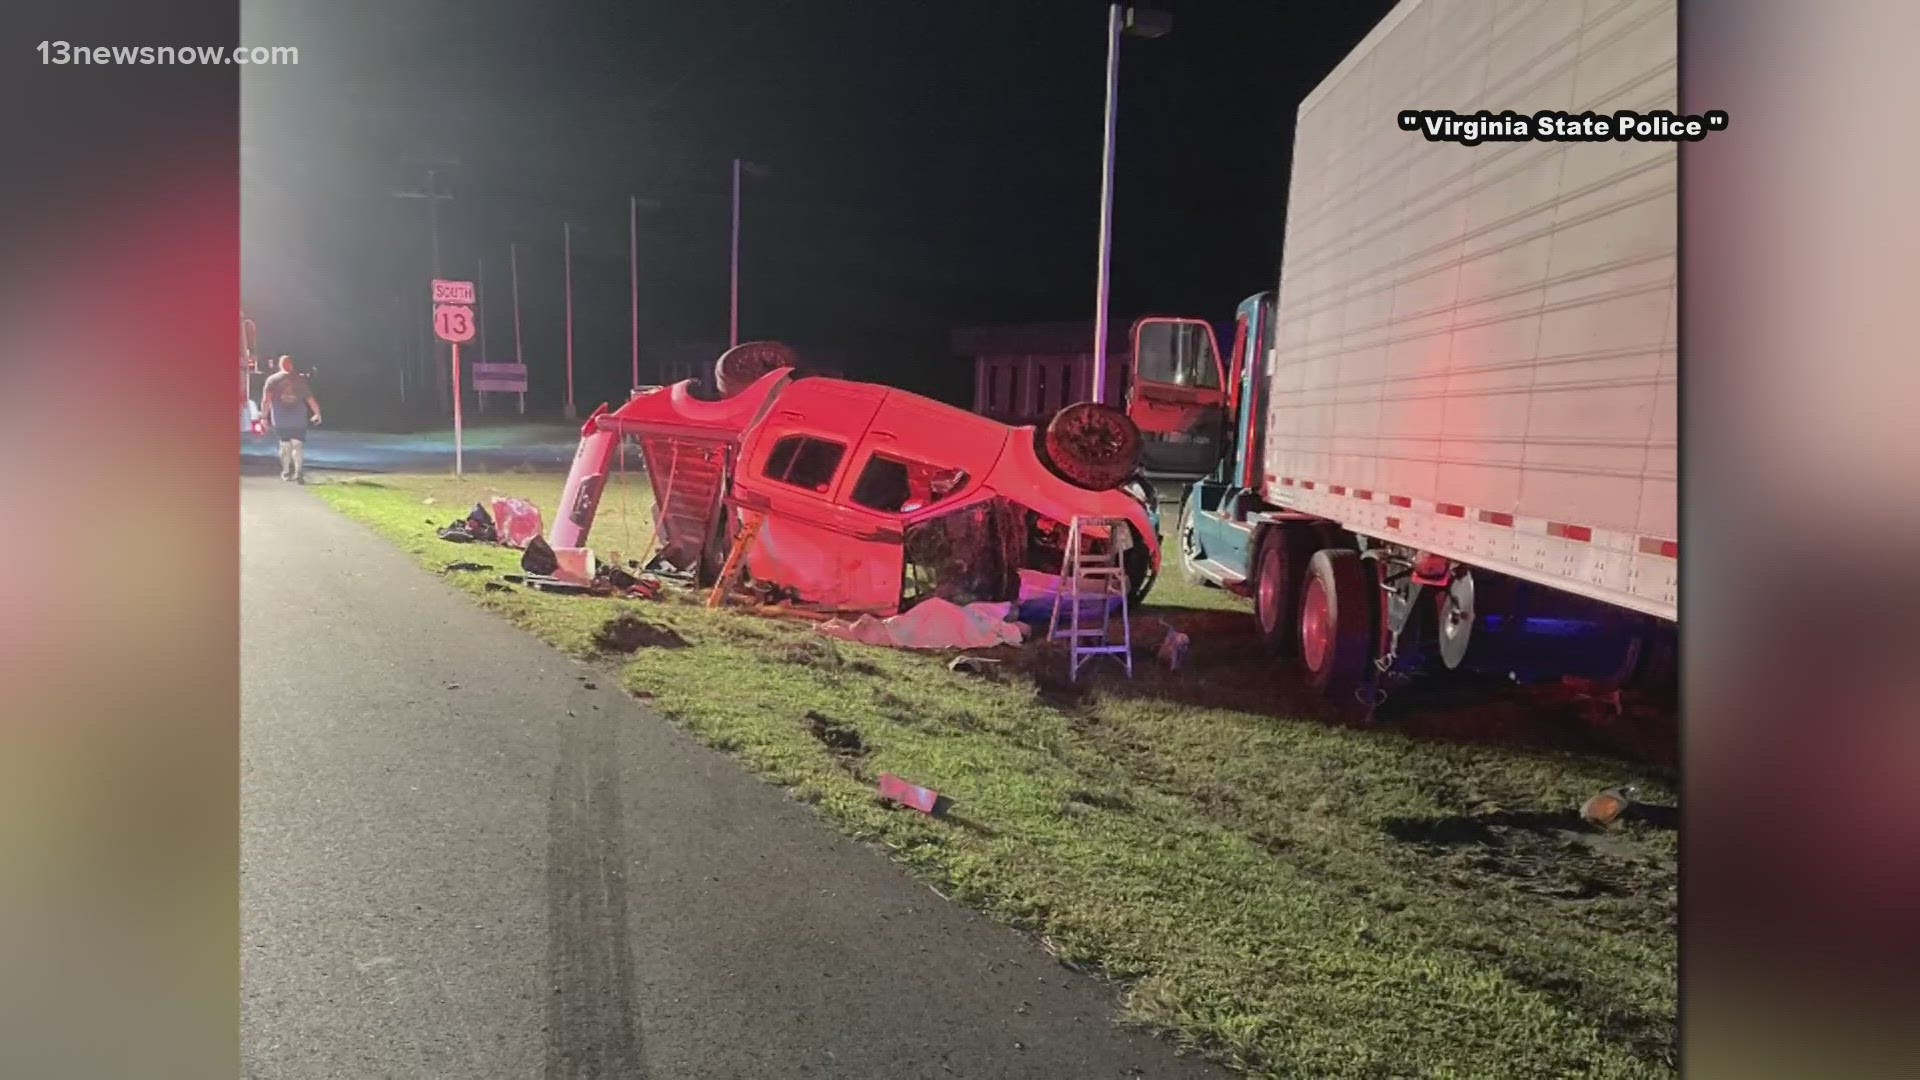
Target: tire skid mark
[{"x": 591, "y": 1031}]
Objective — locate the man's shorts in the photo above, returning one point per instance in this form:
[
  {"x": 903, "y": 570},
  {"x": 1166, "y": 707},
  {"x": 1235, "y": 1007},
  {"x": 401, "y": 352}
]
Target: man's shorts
[{"x": 290, "y": 434}]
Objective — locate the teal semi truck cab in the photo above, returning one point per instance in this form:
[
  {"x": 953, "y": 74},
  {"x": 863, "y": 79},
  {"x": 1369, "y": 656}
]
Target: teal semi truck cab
[{"x": 1215, "y": 534}]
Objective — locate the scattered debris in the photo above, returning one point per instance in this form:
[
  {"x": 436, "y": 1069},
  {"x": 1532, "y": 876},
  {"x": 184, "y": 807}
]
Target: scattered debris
[
  {"x": 838, "y": 736},
  {"x": 494, "y": 586},
  {"x": 575, "y": 565},
  {"x": 925, "y": 800},
  {"x": 627, "y": 632},
  {"x": 788, "y": 611},
  {"x": 1607, "y": 807},
  {"x": 477, "y": 527},
  {"x": 972, "y": 665},
  {"x": 610, "y": 580},
  {"x": 462, "y": 567},
  {"x": 538, "y": 560},
  {"x": 591, "y": 685}
]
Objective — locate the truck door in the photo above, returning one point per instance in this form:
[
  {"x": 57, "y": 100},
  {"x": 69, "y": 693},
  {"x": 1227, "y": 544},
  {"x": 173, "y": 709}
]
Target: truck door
[
  {"x": 1252, "y": 368},
  {"x": 1178, "y": 397}
]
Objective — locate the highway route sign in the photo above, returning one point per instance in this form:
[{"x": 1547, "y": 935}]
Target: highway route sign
[
  {"x": 453, "y": 292},
  {"x": 453, "y": 322}
]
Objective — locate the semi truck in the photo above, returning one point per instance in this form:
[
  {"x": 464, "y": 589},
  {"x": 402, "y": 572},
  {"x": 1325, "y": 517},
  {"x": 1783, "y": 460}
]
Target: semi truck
[{"x": 1450, "y": 433}]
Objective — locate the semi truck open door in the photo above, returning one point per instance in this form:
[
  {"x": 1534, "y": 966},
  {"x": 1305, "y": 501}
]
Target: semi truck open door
[{"x": 1177, "y": 397}]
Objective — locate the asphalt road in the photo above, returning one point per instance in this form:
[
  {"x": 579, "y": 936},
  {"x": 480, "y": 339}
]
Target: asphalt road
[
  {"x": 545, "y": 447},
  {"x": 466, "y": 855}
]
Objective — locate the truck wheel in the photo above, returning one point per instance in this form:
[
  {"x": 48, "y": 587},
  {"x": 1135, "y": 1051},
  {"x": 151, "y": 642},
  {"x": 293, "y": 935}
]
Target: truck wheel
[
  {"x": 748, "y": 362},
  {"x": 1095, "y": 447},
  {"x": 1337, "y": 615},
  {"x": 1190, "y": 550},
  {"x": 1279, "y": 568}
]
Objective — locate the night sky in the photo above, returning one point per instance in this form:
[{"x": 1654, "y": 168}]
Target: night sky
[{"x": 928, "y": 166}]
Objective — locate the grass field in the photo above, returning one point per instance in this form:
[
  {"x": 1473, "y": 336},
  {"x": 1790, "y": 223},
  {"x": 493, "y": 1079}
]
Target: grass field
[{"x": 1413, "y": 898}]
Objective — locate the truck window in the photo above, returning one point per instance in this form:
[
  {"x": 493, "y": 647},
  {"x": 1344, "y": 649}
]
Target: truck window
[
  {"x": 805, "y": 462},
  {"x": 1180, "y": 354},
  {"x": 895, "y": 486}
]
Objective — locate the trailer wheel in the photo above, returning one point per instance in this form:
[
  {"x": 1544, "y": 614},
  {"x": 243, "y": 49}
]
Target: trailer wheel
[
  {"x": 1279, "y": 568},
  {"x": 1336, "y": 622},
  {"x": 746, "y": 363},
  {"x": 1095, "y": 447}
]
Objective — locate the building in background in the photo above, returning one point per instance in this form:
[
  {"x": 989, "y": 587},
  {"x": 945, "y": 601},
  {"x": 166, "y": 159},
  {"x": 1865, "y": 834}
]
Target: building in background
[{"x": 1024, "y": 374}]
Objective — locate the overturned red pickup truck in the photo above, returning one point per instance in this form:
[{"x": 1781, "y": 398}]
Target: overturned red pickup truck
[{"x": 869, "y": 498}]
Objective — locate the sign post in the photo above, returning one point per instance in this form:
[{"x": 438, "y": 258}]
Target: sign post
[
  {"x": 453, "y": 324},
  {"x": 458, "y": 471}
]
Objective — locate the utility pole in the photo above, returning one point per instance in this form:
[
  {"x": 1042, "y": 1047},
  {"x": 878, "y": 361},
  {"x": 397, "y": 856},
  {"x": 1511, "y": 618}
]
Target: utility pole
[
  {"x": 400, "y": 309},
  {"x": 433, "y": 224},
  {"x": 513, "y": 266},
  {"x": 434, "y": 197},
  {"x": 480, "y": 294}
]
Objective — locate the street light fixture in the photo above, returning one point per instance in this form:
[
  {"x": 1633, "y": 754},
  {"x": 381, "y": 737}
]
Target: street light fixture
[{"x": 1141, "y": 23}]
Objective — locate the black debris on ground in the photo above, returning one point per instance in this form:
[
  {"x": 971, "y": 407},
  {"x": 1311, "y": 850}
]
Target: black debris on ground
[
  {"x": 627, "y": 632},
  {"x": 838, "y": 736}
]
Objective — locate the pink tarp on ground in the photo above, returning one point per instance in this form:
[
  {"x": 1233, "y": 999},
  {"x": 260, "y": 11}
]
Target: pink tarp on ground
[
  {"x": 934, "y": 624},
  {"x": 516, "y": 520}
]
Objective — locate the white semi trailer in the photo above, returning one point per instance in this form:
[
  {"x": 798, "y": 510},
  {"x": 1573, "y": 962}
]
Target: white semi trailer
[{"x": 1453, "y": 434}]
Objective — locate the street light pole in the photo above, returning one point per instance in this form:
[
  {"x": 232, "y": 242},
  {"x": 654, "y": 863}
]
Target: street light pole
[
  {"x": 566, "y": 232},
  {"x": 1106, "y": 208},
  {"x": 1140, "y": 22},
  {"x": 633, "y": 278},
  {"x": 733, "y": 319}
]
